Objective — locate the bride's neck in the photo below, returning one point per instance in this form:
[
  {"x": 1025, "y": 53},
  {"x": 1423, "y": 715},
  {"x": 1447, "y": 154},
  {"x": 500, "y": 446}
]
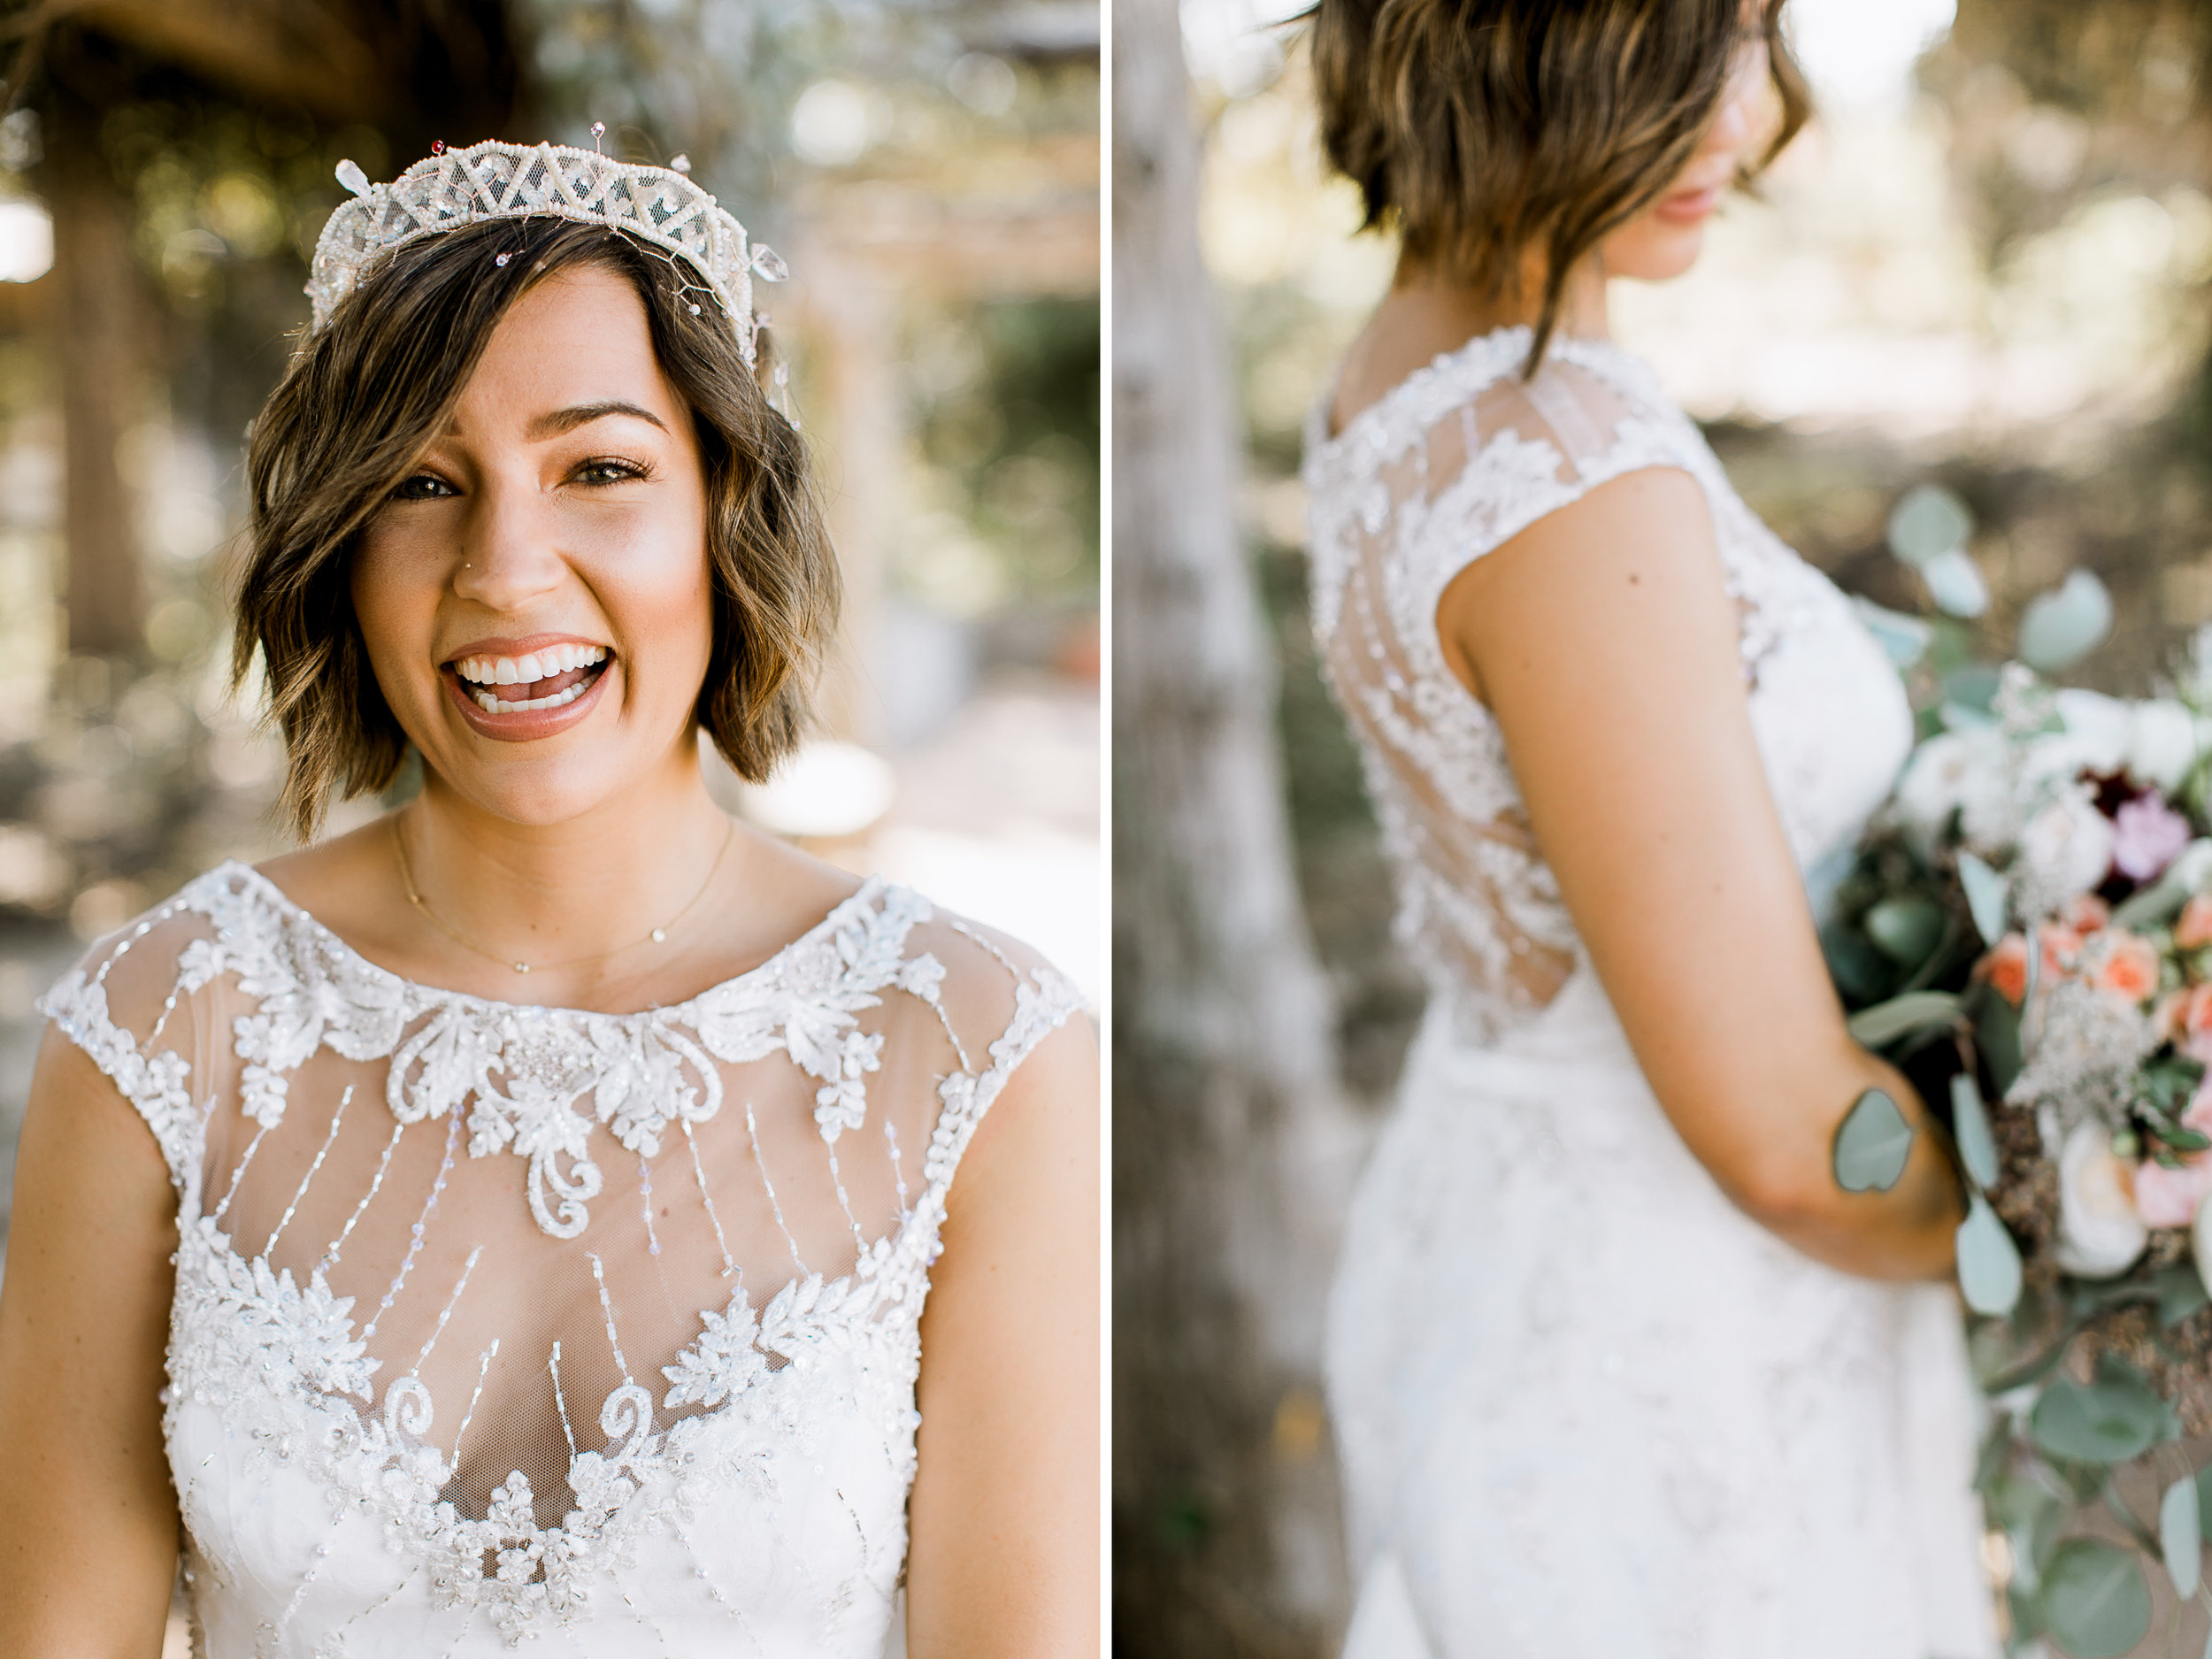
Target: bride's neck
[
  {"x": 550, "y": 893},
  {"x": 1425, "y": 294},
  {"x": 1430, "y": 311}
]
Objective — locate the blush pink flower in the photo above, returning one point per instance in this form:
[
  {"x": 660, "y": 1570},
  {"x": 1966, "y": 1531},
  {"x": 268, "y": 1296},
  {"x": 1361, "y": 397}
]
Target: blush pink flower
[
  {"x": 2146, "y": 837},
  {"x": 2194, "y": 927},
  {"x": 2169, "y": 1197},
  {"x": 2192, "y": 1027}
]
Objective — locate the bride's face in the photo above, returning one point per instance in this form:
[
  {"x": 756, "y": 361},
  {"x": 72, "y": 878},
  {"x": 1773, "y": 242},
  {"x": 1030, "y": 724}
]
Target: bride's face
[
  {"x": 1665, "y": 240},
  {"x": 535, "y": 597}
]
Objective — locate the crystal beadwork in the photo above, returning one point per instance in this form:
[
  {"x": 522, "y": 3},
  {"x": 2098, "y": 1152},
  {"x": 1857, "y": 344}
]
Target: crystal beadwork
[{"x": 452, "y": 187}]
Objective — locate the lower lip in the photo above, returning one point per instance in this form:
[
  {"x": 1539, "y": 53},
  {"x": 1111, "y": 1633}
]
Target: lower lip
[
  {"x": 1689, "y": 207},
  {"x": 522, "y": 726}
]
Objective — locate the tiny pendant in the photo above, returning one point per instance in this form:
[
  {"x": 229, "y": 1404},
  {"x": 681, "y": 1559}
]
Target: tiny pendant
[
  {"x": 659, "y": 933},
  {"x": 522, "y": 967}
]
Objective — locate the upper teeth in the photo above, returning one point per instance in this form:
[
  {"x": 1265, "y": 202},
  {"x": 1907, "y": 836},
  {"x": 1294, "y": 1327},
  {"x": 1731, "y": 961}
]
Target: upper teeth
[{"x": 547, "y": 660}]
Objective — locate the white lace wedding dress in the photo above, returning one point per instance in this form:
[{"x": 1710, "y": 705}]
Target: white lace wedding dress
[
  {"x": 1587, "y": 1408},
  {"x": 496, "y": 1323}
]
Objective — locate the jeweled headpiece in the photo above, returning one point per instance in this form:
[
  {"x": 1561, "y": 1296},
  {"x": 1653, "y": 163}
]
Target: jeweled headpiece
[{"x": 452, "y": 187}]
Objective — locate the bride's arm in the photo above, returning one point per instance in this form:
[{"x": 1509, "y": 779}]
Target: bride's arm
[
  {"x": 1003, "y": 1562},
  {"x": 1603, "y": 640},
  {"x": 87, "y": 1519}
]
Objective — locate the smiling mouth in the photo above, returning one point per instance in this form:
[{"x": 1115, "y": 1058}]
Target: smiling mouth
[{"x": 545, "y": 679}]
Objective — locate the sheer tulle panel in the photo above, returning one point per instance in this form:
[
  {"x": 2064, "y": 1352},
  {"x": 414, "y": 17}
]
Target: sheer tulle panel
[
  {"x": 501, "y": 1347},
  {"x": 1478, "y": 900}
]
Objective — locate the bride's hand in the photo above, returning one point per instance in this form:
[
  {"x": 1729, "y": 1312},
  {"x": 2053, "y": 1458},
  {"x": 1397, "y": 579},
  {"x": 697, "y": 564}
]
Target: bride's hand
[{"x": 1604, "y": 639}]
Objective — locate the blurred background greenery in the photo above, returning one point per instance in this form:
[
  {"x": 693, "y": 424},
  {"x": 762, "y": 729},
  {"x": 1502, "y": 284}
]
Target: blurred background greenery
[
  {"x": 1982, "y": 269},
  {"x": 929, "y": 170}
]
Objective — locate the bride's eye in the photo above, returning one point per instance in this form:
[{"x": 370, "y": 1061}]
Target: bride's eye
[
  {"x": 423, "y": 486},
  {"x": 607, "y": 470}
]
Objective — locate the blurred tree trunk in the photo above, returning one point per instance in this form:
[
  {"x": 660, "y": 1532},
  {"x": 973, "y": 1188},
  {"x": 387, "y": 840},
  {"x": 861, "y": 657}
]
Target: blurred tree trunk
[
  {"x": 1231, "y": 1132},
  {"x": 413, "y": 69},
  {"x": 102, "y": 336}
]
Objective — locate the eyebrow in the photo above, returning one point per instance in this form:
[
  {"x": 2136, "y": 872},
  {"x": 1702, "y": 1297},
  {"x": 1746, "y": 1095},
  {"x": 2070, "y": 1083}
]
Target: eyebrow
[{"x": 555, "y": 422}]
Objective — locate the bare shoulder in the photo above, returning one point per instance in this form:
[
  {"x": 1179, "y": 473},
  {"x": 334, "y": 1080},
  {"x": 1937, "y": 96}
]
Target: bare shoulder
[{"x": 1630, "y": 564}]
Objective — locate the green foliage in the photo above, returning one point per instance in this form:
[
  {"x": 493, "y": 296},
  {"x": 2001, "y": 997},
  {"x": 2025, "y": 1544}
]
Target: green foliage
[
  {"x": 2106, "y": 1421},
  {"x": 1989, "y": 1262},
  {"x": 1970, "y": 1128},
  {"x": 1913, "y": 1014},
  {"x": 1987, "y": 899},
  {"x": 2093, "y": 1599},
  {"x": 1873, "y": 1144},
  {"x": 2180, "y": 1537}
]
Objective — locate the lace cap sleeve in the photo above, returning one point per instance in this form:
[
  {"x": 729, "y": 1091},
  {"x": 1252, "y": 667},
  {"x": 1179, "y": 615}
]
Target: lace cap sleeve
[
  {"x": 134, "y": 1004},
  {"x": 999, "y": 1001},
  {"x": 1464, "y": 456}
]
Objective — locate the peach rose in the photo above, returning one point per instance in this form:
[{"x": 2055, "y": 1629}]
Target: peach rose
[
  {"x": 2062, "y": 948},
  {"x": 2130, "y": 968},
  {"x": 2194, "y": 928},
  {"x": 2006, "y": 967},
  {"x": 2087, "y": 914}
]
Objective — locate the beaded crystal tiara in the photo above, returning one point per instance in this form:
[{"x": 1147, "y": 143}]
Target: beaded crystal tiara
[{"x": 452, "y": 187}]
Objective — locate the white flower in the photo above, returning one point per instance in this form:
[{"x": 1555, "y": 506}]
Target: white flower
[
  {"x": 2065, "y": 851},
  {"x": 2161, "y": 743},
  {"x": 2099, "y": 1232},
  {"x": 2100, "y": 728},
  {"x": 2200, "y": 1239},
  {"x": 1965, "y": 773}
]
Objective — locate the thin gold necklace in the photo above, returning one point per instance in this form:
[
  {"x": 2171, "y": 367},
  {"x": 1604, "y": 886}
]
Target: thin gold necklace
[{"x": 657, "y": 936}]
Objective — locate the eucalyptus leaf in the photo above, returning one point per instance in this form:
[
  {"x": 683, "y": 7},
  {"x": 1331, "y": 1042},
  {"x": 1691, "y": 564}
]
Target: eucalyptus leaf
[
  {"x": 1989, "y": 1262},
  {"x": 1955, "y": 583},
  {"x": 1997, "y": 1034},
  {"x": 1928, "y": 521},
  {"x": 2180, "y": 1537},
  {"x": 1905, "y": 640},
  {"x": 2148, "y": 907},
  {"x": 2204, "y": 1492},
  {"x": 1901, "y": 1015},
  {"x": 1906, "y": 930},
  {"x": 2095, "y": 1599},
  {"x": 2180, "y": 1293},
  {"x": 1861, "y": 973},
  {"x": 2104, "y": 1422},
  {"x": 1973, "y": 687},
  {"x": 1986, "y": 897},
  {"x": 2060, "y": 628},
  {"x": 1872, "y": 1143},
  {"x": 1969, "y": 1124}
]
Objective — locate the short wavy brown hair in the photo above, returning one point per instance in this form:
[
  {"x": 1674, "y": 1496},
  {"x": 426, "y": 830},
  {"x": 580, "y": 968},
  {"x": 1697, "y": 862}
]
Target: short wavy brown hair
[
  {"x": 362, "y": 400},
  {"x": 1480, "y": 129}
]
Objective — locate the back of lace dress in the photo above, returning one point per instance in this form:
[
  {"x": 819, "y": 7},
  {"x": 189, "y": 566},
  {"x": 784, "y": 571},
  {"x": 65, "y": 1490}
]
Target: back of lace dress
[
  {"x": 1449, "y": 465},
  {"x": 545, "y": 1294}
]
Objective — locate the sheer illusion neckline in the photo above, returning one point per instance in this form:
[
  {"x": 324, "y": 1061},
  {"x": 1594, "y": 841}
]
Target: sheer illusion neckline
[
  {"x": 863, "y": 895},
  {"x": 1481, "y": 353}
]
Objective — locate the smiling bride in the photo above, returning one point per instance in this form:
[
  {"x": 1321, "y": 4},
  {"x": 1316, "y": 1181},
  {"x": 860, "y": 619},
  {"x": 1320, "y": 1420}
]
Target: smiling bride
[{"x": 535, "y": 1213}]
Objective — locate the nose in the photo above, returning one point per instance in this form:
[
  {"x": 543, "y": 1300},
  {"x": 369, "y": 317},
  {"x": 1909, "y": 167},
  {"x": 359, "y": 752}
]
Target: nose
[
  {"x": 1736, "y": 123},
  {"x": 508, "y": 555}
]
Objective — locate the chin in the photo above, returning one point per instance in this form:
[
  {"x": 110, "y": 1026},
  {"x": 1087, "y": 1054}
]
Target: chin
[{"x": 1653, "y": 251}]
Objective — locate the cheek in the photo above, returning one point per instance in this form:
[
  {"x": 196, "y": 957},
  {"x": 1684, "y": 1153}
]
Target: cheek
[{"x": 395, "y": 609}]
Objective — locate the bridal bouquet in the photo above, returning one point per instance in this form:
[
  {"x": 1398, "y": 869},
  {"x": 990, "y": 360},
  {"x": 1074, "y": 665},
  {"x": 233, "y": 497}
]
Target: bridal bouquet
[{"x": 2027, "y": 932}]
